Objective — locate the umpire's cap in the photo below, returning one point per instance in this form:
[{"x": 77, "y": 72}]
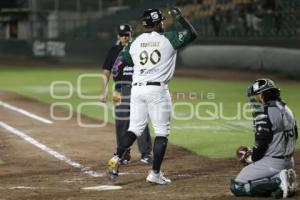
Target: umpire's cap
[
  {"x": 124, "y": 29},
  {"x": 261, "y": 85},
  {"x": 151, "y": 17}
]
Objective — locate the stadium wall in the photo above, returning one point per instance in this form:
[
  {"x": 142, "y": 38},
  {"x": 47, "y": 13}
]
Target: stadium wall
[
  {"x": 56, "y": 51},
  {"x": 239, "y": 57},
  {"x": 284, "y": 58}
]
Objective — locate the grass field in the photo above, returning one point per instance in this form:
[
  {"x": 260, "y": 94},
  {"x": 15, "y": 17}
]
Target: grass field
[{"x": 199, "y": 105}]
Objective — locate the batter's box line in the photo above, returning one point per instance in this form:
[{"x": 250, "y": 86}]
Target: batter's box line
[{"x": 57, "y": 155}]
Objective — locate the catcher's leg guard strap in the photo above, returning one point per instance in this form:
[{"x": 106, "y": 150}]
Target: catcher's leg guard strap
[
  {"x": 238, "y": 189},
  {"x": 159, "y": 149},
  {"x": 258, "y": 188},
  {"x": 125, "y": 143},
  {"x": 264, "y": 187}
]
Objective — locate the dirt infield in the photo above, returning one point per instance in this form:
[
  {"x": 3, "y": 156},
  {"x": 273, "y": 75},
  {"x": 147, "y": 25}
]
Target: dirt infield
[{"x": 29, "y": 172}]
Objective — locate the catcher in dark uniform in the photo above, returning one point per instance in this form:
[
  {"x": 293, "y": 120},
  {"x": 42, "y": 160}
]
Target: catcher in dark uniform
[
  {"x": 269, "y": 165},
  {"x": 122, "y": 76}
]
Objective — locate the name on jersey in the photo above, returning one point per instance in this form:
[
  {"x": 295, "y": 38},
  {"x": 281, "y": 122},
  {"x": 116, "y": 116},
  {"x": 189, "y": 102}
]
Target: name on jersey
[{"x": 149, "y": 44}]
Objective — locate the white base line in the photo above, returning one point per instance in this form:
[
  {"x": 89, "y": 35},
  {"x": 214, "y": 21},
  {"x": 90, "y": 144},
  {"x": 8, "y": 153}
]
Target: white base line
[
  {"x": 50, "y": 151},
  {"x": 26, "y": 113}
]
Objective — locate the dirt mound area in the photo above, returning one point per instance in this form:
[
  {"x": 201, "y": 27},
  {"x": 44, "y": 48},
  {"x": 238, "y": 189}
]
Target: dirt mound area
[{"x": 57, "y": 160}]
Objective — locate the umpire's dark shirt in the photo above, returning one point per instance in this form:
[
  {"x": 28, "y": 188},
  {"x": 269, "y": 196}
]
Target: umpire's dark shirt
[{"x": 121, "y": 73}]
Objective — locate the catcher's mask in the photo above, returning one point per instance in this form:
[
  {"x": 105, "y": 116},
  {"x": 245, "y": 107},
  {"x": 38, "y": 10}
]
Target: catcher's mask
[
  {"x": 259, "y": 86},
  {"x": 152, "y": 17}
]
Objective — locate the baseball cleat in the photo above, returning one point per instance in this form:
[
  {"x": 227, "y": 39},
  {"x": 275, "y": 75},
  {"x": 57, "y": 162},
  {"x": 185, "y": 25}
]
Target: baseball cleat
[
  {"x": 288, "y": 183},
  {"x": 292, "y": 183},
  {"x": 113, "y": 167},
  {"x": 284, "y": 182},
  {"x": 157, "y": 178},
  {"x": 124, "y": 162}
]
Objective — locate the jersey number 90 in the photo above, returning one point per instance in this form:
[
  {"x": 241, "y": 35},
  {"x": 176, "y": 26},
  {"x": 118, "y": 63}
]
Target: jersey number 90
[{"x": 154, "y": 57}]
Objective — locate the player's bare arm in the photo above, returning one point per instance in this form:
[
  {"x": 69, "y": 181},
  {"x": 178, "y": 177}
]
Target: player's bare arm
[{"x": 106, "y": 75}]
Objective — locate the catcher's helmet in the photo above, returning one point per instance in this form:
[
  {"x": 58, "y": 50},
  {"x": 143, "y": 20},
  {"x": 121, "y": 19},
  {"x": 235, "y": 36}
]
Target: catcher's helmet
[
  {"x": 261, "y": 85},
  {"x": 151, "y": 17}
]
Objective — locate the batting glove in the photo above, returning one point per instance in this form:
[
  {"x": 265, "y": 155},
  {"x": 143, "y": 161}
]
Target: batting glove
[{"x": 176, "y": 13}]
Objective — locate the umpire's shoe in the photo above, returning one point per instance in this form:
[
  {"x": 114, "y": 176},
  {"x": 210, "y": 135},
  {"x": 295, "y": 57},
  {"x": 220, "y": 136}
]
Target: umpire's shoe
[
  {"x": 113, "y": 167},
  {"x": 147, "y": 159},
  {"x": 157, "y": 178},
  {"x": 125, "y": 158},
  {"x": 288, "y": 183}
]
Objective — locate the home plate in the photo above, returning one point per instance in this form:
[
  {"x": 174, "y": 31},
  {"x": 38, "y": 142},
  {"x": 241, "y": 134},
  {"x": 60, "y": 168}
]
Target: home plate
[
  {"x": 103, "y": 187},
  {"x": 20, "y": 187}
]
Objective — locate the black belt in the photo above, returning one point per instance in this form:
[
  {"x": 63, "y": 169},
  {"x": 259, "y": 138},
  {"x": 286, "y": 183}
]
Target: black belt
[
  {"x": 148, "y": 83},
  {"x": 282, "y": 157}
]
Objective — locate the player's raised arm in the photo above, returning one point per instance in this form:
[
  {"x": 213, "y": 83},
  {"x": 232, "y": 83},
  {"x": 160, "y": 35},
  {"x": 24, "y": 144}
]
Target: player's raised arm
[
  {"x": 181, "y": 38},
  {"x": 177, "y": 16}
]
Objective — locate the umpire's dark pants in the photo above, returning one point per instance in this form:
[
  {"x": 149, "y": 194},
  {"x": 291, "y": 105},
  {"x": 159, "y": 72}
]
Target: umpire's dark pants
[{"x": 122, "y": 113}]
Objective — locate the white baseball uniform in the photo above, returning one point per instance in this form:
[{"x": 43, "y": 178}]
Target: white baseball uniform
[{"x": 154, "y": 57}]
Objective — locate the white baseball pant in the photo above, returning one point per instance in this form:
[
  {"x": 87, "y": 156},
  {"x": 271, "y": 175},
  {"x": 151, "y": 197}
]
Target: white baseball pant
[{"x": 153, "y": 101}]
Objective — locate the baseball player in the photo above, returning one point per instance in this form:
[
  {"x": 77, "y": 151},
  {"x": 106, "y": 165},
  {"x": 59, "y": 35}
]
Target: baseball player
[
  {"x": 153, "y": 54},
  {"x": 122, "y": 76},
  {"x": 269, "y": 164}
]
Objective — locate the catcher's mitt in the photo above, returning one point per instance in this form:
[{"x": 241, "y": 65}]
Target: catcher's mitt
[{"x": 244, "y": 155}]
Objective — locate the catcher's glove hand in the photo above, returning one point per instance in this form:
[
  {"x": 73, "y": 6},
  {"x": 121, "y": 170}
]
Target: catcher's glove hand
[
  {"x": 175, "y": 12},
  {"x": 244, "y": 155}
]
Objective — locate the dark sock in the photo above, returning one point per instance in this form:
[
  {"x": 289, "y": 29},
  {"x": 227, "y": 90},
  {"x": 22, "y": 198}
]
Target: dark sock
[
  {"x": 127, "y": 140},
  {"x": 159, "y": 150}
]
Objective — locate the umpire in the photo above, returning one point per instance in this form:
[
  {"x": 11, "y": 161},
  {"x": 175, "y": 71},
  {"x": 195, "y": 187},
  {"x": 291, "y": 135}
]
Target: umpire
[{"x": 121, "y": 95}]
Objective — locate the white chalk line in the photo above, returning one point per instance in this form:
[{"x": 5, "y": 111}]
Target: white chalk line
[
  {"x": 21, "y": 187},
  {"x": 26, "y": 113},
  {"x": 103, "y": 187},
  {"x": 244, "y": 124},
  {"x": 96, "y": 188},
  {"x": 211, "y": 125},
  {"x": 199, "y": 127},
  {"x": 50, "y": 151},
  {"x": 240, "y": 126},
  {"x": 43, "y": 147}
]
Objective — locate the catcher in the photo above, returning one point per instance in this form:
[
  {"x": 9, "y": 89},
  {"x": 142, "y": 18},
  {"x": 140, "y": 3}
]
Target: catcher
[{"x": 269, "y": 164}]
